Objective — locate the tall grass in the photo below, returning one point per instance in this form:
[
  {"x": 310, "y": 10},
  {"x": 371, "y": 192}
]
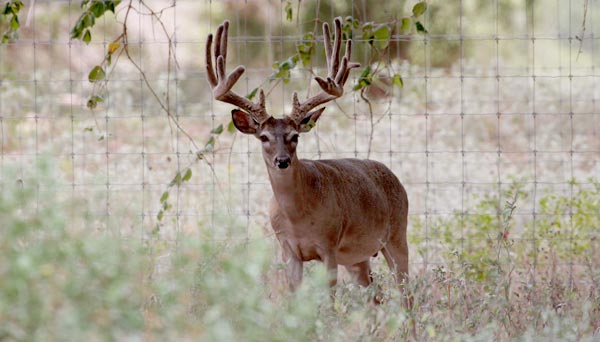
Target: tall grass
[{"x": 65, "y": 283}]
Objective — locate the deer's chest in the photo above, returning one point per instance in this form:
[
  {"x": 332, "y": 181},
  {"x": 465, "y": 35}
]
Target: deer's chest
[{"x": 308, "y": 236}]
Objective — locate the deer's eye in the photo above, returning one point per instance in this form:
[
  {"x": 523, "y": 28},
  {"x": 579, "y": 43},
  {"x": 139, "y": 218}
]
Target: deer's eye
[
  {"x": 264, "y": 138},
  {"x": 294, "y": 138}
]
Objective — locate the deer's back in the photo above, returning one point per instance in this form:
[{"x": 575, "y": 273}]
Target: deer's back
[{"x": 366, "y": 183}]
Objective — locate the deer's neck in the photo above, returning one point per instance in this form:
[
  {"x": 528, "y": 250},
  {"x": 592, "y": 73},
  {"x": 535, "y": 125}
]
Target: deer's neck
[{"x": 291, "y": 188}]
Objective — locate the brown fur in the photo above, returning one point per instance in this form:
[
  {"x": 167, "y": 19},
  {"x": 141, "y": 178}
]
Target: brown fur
[{"x": 340, "y": 212}]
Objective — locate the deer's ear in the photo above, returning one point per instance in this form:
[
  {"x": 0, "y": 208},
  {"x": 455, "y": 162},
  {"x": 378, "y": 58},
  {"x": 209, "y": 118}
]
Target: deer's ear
[
  {"x": 244, "y": 122},
  {"x": 309, "y": 120}
]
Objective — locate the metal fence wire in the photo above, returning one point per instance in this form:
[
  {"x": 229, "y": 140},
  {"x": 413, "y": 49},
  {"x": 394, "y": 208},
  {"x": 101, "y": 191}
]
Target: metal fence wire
[{"x": 498, "y": 107}]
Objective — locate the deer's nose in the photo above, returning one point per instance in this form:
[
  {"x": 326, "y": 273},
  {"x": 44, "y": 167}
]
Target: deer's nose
[{"x": 282, "y": 162}]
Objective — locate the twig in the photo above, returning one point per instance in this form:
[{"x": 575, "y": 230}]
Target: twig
[{"x": 580, "y": 37}]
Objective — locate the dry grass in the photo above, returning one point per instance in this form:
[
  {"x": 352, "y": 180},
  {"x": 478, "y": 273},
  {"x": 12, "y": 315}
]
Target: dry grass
[{"x": 86, "y": 257}]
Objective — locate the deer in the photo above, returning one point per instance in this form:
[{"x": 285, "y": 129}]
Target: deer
[{"x": 339, "y": 211}]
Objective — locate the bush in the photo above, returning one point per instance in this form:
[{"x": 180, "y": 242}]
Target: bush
[
  {"x": 62, "y": 284},
  {"x": 72, "y": 283}
]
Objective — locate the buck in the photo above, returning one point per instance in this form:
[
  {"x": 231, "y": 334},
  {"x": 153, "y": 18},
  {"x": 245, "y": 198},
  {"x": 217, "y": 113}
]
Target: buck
[{"x": 339, "y": 212}]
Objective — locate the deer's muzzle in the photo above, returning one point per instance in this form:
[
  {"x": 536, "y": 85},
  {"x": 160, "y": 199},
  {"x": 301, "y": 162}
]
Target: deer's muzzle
[{"x": 283, "y": 162}]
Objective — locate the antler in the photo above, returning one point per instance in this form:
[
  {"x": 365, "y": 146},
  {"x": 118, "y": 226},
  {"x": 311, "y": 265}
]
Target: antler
[
  {"x": 337, "y": 74},
  {"x": 221, "y": 84}
]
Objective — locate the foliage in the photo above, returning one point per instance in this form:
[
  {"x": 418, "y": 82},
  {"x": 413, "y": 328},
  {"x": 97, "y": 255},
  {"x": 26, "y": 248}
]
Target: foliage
[
  {"x": 179, "y": 178},
  {"x": 486, "y": 239},
  {"x": 61, "y": 284},
  {"x": 567, "y": 226},
  {"x": 378, "y": 36},
  {"x": 82, "y": 30},
  {"x": 92, "y": 10},
  {"x": 72, "y": 283},
  {"x": 10, "y": 13}
]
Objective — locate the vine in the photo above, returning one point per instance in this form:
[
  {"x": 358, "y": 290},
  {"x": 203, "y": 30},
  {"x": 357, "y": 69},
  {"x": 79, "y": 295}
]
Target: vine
[
  {"x": 119, "y": 46},
  {"x": 378, "y": 36},
  {"x": 10, "y": 13}
]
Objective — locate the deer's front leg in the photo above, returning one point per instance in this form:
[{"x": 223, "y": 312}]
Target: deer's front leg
[
  {"x": 294, "y": 269},
  {"x": 332, "y": 269}
]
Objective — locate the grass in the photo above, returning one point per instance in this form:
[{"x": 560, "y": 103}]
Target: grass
[
  {"x": 65, "y": 283},
  {"x": 493, "y": 258}
]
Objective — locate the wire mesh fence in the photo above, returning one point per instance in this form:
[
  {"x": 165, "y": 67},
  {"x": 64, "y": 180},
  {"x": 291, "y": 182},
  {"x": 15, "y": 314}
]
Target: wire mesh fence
[{"x": 499, "y": 104}]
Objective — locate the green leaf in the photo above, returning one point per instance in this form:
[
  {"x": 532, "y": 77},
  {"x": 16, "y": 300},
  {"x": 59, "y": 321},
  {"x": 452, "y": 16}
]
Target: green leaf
[
  {"x": 419, "y": 8},
  {"x": 176, "y": 180},
  {"x": 231, "y": 127},
  {"x": 397, "y": 81},
  {"x": 14, "y": 22},
  {"x": 98, "y": 9},
  {"x": 288, "y": 11},
  {"x": 87, "y": 37},
  {"x": 7, "y": 9},
  {"x": 289, "y": 63},
  {"x": 405, "y": 26},
  {"x": 367, "y": 27},
  {"x": 352, "y": 22},
  {"x": 88, "y": 129},
  {"x": 382, "y": 36},
  {"x": 365, "y": 79},
  {"x": 210, "y": 144},
  {"x": 97, "y": 74},
  {"x": 112, "y": 47},
  {"x": 311, "y": 123},
  {"x": 420, "y": 27},
  {"x": 164, "y": 197},
  {"x": 283, "y": 68},
  {"x": 305, "y": 48},
  {"x": 251, "y": 95},
  {"x": 88, "y": 20},
  {"x": 91, "y": 103},
  {"x": 160, "y": 215},
  {"x": 366, "y": 72},
  {"x": 217, "y": 130},
  {"x": 110, "y": 6},
  {"x": 17, "y": 5},
  {"x": 188, "y": 175},
  {"x": 77, "y": 30}
]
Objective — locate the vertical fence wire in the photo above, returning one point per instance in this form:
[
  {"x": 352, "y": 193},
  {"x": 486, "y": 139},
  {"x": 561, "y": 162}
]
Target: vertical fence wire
[{"x": 449, "y": 133}]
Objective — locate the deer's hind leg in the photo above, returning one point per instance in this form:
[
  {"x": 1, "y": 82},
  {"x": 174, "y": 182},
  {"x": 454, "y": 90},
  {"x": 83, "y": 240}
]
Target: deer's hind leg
[
  {"x": 361, "y": 272},
  {"x": 396, "y": 255}
]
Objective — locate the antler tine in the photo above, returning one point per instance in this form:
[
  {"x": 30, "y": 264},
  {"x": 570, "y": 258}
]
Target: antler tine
[
  {"x": 222, "y": 84},
  {"x": 327, "y": 44},
  {"x": 210, "y": 73},
  {"x": 337, "y": 44},
  {"x": 222, "y": 47},
  {"x": 337, "y": 73}
]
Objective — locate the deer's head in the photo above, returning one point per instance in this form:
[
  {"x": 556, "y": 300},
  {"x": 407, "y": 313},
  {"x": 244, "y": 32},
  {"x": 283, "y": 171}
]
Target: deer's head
[{"x": 279, "y": 136}]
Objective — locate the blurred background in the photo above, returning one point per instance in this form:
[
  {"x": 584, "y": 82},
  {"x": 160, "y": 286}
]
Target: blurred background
[
  {"x": 495, "y": 94},
  {"x": 487, "y": 111}
]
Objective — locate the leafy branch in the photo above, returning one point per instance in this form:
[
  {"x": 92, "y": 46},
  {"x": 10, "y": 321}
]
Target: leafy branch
[
  {"x": 378, "y": 35},
  {"x": 100, "y": 74},
  {"x": 10, "y": 13}
]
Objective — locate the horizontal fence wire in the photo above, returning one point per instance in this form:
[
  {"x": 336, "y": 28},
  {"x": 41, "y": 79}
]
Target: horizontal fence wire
[{"x": 487, "y": 108}]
